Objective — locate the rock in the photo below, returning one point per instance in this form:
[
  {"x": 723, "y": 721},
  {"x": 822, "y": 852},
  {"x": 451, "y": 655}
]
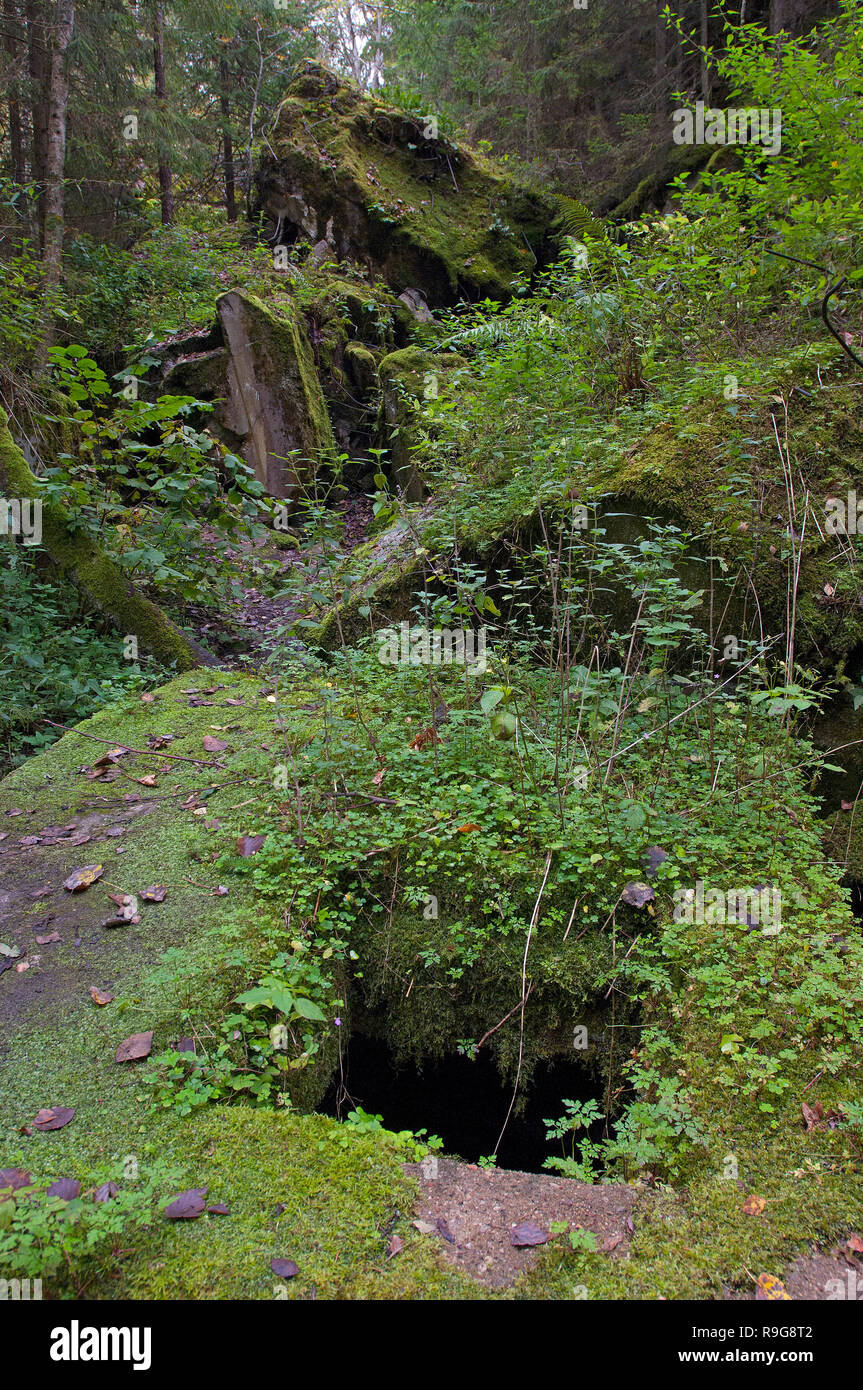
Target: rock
[
  {"x": 274, "y": 399},
  {"x": 387, "y": 190},
  {"x": 405, "y": 377},
  {"x": 415, "y": 302}
]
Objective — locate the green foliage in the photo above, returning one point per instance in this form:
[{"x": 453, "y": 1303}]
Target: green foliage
[
  {"x": 67, "y": 1242},
  {"x": 251, "y": 1058},
  {"x": 55, "y": 661},
  {"x": 147, "y": 477}
]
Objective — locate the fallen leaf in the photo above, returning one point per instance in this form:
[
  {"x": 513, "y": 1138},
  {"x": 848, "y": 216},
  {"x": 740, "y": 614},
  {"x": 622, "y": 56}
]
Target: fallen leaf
[
  {"x": 468, "y": 829},
  {"x": 134, "y": 1048},
  {"x": 14, "y": 1178},
  {"x": 64, "y": 1188},
  {"x": 423, "y": 738},
  {"x": 612, "y": 1243},
  {"x": 148, "y": 781},
  {"x": 106, "y": 1192},
  {"x": 155, "y": 894},
  {"x": 101, "y": 996},
  {"x": 637, "y": 894},
  {"x": 112, "y": 757},
  {"x": 527, "y": 1233},
  {"x": 54, "y": 1117},
  {"x": 248, "y": 845},
  {"x": 445, "y": 1231},
  {"x": 147, "y": 698},
  {"x": 395, "y": 1246},
  {"x": 213, "y": 745},
  {"x": 218, "y": 1209},
  {"x": 187, "y": 1205},
  {"x": 854, "y": 1244},
  {"x": 754, "y": 1206},
  {"x": 425, "y": 1228},
  {"x": 769, "y": 1287},
  {"x": 48, "y": 940},
  {"x": 79, "y": 879},
  {"x": 378, "y": 777},
  {"x": 285, "y": 1269}
]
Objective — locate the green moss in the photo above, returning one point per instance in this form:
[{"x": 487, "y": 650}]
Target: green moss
[
  {"x": 421, "y": 210},
  {"x": 99, "y": 578},
  {"x": 278, "y": 404}
]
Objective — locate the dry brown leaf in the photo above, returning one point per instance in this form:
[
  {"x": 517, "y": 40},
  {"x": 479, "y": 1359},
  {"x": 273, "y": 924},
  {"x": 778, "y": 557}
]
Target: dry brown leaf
[
  {"x": 54, "y": 1117},
  {"x": 134, "y": 1048},
  {"x": 79, "y": 879},
  {"x": 156, "y": 893}
]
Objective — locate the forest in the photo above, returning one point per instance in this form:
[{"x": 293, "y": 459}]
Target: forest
[{"x": 431, "y": 501}]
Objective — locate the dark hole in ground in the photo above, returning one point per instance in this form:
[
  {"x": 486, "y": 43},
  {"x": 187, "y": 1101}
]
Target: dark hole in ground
[
  {"x": 462, "y": 1101},
  {"x": 856, "y": 894}
]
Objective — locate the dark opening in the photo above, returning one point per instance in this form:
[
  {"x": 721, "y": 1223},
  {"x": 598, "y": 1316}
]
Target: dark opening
[{"x": 462, "y": 1101}]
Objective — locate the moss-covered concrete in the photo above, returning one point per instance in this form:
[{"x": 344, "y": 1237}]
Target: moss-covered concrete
[
  {"x": 275, "y": 403},
  {"x": 384, "y": 189}
]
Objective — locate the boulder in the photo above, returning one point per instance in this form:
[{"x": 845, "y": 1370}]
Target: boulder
[
  {"x": 274, "y": 402},
  {"x": 387, "y": 189}
]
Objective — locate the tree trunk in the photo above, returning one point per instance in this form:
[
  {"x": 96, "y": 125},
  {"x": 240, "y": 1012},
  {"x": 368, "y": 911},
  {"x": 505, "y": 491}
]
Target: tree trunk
[
  {"x": 38, "y": 63},
  {"x": 660, "y": 54},
  {"x": 166, "y": 190},
  {"x": 777, "y": 21},
  {"x": 227, "y": 143},
  {"x": 55, "y": 154},
  {"x": 93, "y": 573},
  {"x": 705, "y": 40},
  {"x": 13, "y": 46}
]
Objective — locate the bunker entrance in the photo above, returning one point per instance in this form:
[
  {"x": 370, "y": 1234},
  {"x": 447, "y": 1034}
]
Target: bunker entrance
[{"x": 462, "y": 1101}]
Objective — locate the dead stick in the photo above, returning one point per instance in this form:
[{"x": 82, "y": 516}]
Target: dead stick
[{"x": 143, "y": 752}]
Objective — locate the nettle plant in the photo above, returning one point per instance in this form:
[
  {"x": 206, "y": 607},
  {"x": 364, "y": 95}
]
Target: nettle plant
[{"x": 148, "y": 476}]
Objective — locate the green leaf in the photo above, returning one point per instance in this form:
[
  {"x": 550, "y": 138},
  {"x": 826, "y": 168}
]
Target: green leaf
[{"x": 306, "y": 1009}]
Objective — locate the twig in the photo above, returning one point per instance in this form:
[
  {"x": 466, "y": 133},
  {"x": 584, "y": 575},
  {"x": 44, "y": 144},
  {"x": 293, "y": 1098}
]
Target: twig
[
  {"x": 485, "y": 1037},
  {"x": 142, "y": 752}
]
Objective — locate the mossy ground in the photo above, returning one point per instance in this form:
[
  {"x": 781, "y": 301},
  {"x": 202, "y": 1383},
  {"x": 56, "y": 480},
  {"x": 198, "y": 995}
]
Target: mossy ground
[{"x": 342, "y": 1194}]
